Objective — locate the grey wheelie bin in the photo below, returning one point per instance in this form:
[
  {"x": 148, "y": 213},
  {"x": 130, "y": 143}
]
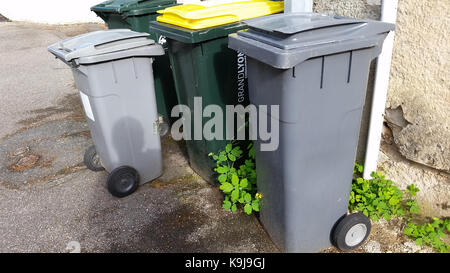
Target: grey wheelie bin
[
  {"x": 315, "y": 67},
  {"x": 113, "y": 73}
]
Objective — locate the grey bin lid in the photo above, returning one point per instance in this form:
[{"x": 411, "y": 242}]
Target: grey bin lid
[
  {"x": 285, "y": 40},
  {"x": 102, "y": 44}
]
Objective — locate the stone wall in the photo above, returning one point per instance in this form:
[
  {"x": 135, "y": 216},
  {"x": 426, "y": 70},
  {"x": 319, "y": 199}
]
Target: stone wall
[{"x": 419, "y": 86}]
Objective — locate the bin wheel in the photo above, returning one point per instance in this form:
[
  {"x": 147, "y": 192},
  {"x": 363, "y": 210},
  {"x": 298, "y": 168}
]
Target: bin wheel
[
  {"x": 92, "y": 160},
  {"x": 123, "y": 181},
  {"x": 351, "y": 231}
]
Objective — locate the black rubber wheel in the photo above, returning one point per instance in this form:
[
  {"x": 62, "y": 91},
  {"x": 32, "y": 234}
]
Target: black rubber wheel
[
  {"x": 123, "y": 181},
  {"x": 351, "y": 231},
  {"x": 92, "y": 160}
]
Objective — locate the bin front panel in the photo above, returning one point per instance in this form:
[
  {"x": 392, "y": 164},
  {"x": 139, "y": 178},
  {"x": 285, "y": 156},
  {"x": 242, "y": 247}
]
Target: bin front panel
[
  {"x": 114, "y": 21},
  {"x": 306, "y": 182},
  {"x": 216, "y": 74},
  {"x": 121, "y": 97},
  {"x": 323, "y": 74}
]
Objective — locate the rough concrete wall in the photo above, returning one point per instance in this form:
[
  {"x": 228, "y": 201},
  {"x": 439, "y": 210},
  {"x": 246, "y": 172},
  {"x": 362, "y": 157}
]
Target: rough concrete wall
[
  {"x": 352, "y": 8},
  {"x": 419, "y": 95}
]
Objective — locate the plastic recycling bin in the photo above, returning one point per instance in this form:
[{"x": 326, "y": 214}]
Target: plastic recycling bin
[
  {"x": 113, "y": 73},
  {"x": 203, "y": 65},
  {"x": 136, "y": 15},
  {"x": 315, "y": 67}
]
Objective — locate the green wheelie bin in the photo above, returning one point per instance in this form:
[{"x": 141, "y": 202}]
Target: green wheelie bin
[
  {"x": 203, "y": 65},
  {"x": 136, "y": 15}
]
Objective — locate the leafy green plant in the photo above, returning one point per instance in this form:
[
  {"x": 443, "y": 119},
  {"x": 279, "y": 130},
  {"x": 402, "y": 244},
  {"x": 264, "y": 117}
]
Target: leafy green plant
[
  {"x": 431, "y": 234},
  {"x": 411, "y": 203},
  {"x": 378, "y": 197},
  {"x": 238, "y": 183}
]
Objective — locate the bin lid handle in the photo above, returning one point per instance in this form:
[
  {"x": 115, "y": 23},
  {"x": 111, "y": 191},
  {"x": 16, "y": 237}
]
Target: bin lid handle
[{"x": 102, "y": 42}]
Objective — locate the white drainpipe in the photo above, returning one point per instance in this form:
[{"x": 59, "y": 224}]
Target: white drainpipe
[
  {"x": 388, "y": 14},
  {"x": 298, "y": 6}
]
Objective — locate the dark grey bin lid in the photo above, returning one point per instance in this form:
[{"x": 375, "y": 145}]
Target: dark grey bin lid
[
  {"x": 285, "y": 40},
  {"x": 105, "y": 45}
]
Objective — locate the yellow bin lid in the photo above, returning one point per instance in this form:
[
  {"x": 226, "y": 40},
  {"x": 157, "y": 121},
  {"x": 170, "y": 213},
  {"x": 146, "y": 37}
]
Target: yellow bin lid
[{"x": 194, "y": 16}]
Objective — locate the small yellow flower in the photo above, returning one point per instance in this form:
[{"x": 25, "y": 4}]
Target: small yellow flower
[{"x": 258, "y": 195}]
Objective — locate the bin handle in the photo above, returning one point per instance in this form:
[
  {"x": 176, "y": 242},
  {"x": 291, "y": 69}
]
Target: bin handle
[
  {"x": 104, "y": 9},
  {"x": 299, "y": 29}
]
